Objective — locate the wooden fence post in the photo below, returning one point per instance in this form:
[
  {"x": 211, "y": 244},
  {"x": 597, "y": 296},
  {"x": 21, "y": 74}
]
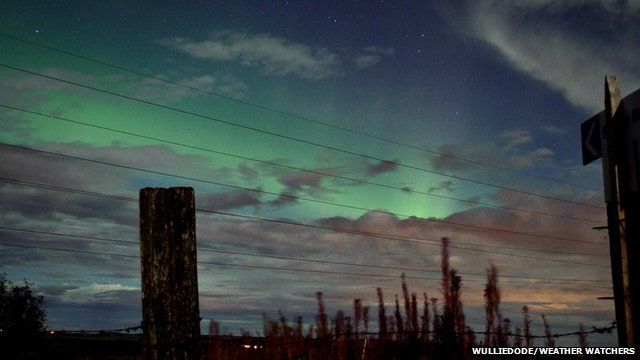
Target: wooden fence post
[{"x": 171, "y": 319}]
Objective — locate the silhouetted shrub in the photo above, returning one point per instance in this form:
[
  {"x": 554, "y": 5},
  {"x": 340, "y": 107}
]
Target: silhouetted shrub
[{"x": 22, "y": 314}]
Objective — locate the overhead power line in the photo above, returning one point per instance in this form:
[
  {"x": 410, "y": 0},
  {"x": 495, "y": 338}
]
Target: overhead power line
[
  {"x": 292, "y": 258},
  {"x": 438, "y": 221},
  {"x": 424, "y": 241},
  {"x": 292, "y": 115},
  {"x": 102, "y": 253},
  {"x": 244, "y": 266},
  {"x": 294, "y": 139},
  {"x": 398, "y": 238},
  {"x": 595, "y": 330},
  {"x": 368, "y": 182}
]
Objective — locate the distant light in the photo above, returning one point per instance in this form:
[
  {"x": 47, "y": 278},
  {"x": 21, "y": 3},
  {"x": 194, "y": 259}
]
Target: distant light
[
  {"x": 246, "y": 346},
  {"x": 255, "y": 346},
  {"x": 51, "y": 332}
]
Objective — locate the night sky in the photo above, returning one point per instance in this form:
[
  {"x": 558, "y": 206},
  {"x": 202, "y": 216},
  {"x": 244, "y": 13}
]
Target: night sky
[{"x": 411, "y": 120}]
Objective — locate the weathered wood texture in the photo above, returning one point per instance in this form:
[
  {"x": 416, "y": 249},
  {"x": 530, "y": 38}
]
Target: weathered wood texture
[
  {"x": 171, "y": 319},
  {"x": 617, "y": 240}
]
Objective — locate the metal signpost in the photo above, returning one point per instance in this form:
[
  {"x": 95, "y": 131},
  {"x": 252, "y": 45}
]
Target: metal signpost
[{"x": 614, "y": 135}]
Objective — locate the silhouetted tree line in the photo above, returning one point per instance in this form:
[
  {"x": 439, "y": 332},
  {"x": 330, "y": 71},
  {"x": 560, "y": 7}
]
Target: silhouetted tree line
[{"x": 22, "y": 313}]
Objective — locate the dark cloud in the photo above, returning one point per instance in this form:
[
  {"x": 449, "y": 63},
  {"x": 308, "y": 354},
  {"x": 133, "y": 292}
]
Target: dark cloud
[
  {"x": 296, "y": 181},
  {"x": 49, "y": 210},
  {"x": 508, "y": 151},
  {"x": 236, "y": 294},
  {"x": 229, "y": 200},
  {"x": 499, "y": 162},
  {"x": 55, "y": 290},
  {"x": 447, "y": 159},
  {"x": 97, "y": 294},
  {"x": 300, "y": 184},
  {"x": 332, "y": 178},
  {"x": 51, "y": 205},
  {"x": 381, "y": 167},
  {"x": 243, "y": 291},
  {"x": 248, "y": 173},
  {"x": 285, "y": 199},
  {"x": 446, "y": 185},
  {"x": 41, "y": 204}
]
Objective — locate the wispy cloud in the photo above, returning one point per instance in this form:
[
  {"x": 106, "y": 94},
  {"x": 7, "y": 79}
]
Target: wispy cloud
[
  {"x": 516, "y": 137},
  {"x": 99, "y": 293},
  {"x": 514, "y": 149},
  {"x": 572, "y": 60},
  {"x": 370, "y": 56},
  {"x": 157, "y": 90},
  {"x": 275, "y": 55},
  {"x": 553, "y": 130}
]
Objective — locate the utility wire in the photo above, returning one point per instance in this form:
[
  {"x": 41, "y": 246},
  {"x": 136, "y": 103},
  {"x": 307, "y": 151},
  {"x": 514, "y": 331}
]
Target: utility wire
[
  {"x": 292, "y": 115},
  {"x": 291, "y": 138},
  {"x": 595, "y": 330},
  {"x": 243, "y": 253},
  {"x": 437, "y": 221},
  {"x": 603, "y": 330},
  {"x": 425, "y": 241},
  {"x": 419, "y": 240},
  {"x": 368, "y": 182},
  {"x": 278, "y": 257},
  {"x": 76, "y": 251},
  {"x": 245, "y": 266},
  {"x": 397, "y": 238}
]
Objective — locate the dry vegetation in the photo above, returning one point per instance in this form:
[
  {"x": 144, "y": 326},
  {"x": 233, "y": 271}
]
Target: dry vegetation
[
  {"x": 429, "y": 330},
  {"x": 414, "y": 327}
]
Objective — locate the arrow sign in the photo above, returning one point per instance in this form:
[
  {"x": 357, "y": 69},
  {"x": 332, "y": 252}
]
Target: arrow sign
[{"x": 591, "y": 131}]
